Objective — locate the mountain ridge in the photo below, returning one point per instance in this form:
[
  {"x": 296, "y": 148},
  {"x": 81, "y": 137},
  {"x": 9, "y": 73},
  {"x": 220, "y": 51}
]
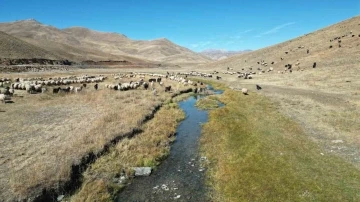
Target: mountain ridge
[{"x": 80, "y": 43}]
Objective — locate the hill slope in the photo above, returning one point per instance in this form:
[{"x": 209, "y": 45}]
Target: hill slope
[
  {"x": 83, "y": 44},
  {"x": 318, "y": 44},
  {"x": 12, "y": 47}
]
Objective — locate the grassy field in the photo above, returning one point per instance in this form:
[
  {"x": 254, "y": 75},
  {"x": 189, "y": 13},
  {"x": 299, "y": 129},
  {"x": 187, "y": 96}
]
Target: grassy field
[
  {"x": 43, "y": 135},
  {"x": 258, "y": 154}
]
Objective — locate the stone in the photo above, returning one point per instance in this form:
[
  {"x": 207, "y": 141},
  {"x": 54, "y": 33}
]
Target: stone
[
  {"x": 142, "y": 171},
  {"x": 164, "y": 187},
  {"x": 60, "y": 198}
]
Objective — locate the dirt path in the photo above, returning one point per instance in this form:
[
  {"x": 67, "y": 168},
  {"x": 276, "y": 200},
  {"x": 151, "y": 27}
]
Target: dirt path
[{"x": 180, "y": 177}]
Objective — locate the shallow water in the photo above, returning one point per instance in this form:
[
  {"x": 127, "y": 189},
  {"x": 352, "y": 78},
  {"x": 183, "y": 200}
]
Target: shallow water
[{"x": 180, "y": 177}]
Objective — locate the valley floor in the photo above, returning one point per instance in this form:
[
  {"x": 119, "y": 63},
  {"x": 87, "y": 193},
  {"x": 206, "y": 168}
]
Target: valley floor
[
  {"x": 263, "y": 149},
  {"x": 295, "y": 140}
]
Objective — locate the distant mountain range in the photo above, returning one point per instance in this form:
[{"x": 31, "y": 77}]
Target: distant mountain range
[
  {"x": 221, "y": 54},
  {"x": 80, "y": 44}
]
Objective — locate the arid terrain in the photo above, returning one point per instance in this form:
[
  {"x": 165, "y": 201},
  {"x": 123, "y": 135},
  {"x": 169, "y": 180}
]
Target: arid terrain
[
  {"x": 80, "y": 44},
  {"x": 303, "y": 101}
]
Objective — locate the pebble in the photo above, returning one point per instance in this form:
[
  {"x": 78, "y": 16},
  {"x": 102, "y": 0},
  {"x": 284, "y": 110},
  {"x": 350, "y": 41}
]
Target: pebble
[
  {"x": 164, "y": 187},
  {"x": 177, "y": 197},
  {"x": 60, "y": 198}
]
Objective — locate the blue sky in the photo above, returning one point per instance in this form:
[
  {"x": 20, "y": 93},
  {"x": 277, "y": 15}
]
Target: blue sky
[{"x": 198, "y": 25}]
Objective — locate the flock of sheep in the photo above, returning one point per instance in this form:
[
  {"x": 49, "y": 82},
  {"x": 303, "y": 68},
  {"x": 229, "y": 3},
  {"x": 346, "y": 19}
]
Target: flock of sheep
[{"x": 40, "y": 85}]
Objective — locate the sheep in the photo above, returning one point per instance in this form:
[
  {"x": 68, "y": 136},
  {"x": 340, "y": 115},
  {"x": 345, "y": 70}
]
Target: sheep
[
  {"x": 56, "y": 90},
  {"x": 3, "y": 98},
  {"x": 145, "y": 85},
  {"x": 38, "y": 87},
  {"x": 167, "y": 88},
  {"x": 96, "y": 86},
  {"x": 12, "y": 91},
  {"x": 244, "y": 91},
  {"x": 43, "y": 90},
  {"x": 314, "y": 65},
  {"x": 78, "y": 89},
  {"x": 65, "y": 90},
  {"x": 84, "y": 85}
]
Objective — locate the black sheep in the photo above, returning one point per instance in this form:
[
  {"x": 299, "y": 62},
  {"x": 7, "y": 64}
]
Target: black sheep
[
  {"x": 167, "y": 88},
  {"x": 314, "y": 65},
  {"x": 96, "y": 86},
  {"x": 56, "y": 90}
]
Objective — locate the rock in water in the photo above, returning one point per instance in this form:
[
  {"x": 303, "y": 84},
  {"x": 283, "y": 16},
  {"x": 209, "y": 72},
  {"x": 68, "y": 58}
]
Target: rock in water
[{"x": 142, "y": 171}]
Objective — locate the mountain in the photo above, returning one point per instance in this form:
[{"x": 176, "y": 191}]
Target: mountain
[
  {"x": 322, "y": 44},
  {"x": 221, "y": 54},
  {"x": 12, "y": 47},
  {"x": 78, "y": 44}
]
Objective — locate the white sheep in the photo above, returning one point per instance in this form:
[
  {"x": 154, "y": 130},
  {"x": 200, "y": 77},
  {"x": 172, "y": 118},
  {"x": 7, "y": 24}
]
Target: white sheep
[
  {"x": 244, "y": 91},
  {"x": 78, "y": 89},
  {"x": 3, "y": 98}
]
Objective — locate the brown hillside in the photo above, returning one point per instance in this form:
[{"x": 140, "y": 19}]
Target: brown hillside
[
  {"x": 80, "y": 44},
  {"x": 318, "y": 44},
  {"x": 12, "y": 47}
]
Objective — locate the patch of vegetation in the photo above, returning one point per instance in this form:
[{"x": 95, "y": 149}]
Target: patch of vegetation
[
  {"x": 148, "y": 148},
  {"x": 258, "y": 154},
  {"x": 207, "y": 103}
]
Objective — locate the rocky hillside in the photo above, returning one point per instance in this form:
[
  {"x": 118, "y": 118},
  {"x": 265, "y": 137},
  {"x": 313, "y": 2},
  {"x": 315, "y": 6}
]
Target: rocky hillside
[
  {"x": 336, "y": 46},
  {"x": 221, "y": 54},
  {"x": 80, "y": 44}
]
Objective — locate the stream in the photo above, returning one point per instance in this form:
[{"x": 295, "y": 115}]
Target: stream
[{"x": 180, "y": 177}]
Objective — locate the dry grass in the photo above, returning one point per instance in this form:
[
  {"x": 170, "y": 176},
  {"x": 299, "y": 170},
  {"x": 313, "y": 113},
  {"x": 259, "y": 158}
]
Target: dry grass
[
  {"x": 145, "y": 149},
  {"x": 257, "y": 154},
  {"x": 43, "y": 135}
]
